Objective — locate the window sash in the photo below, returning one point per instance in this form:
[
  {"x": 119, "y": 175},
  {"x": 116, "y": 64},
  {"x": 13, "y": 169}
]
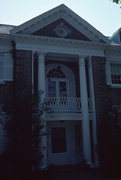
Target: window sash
[
  {"x": 1, "y": 68},
  {"x": 116, "y": 73}
]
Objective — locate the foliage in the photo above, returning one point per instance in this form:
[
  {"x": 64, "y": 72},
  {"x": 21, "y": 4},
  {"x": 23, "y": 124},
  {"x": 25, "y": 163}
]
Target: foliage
[
  {"x": 23, "y": 131},
  {"x": 38, "y": 108},
  {"x": 110, "y": 141},
  {"x": 117, "y": 1}
]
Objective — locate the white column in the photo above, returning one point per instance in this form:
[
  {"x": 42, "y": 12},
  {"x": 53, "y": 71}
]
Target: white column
[
  {"x": 33, "y": 71},
  {"x": 41, "y": 87},
  {"x": 94, "y": 124},
  {"x": 41, "y": 74},
  {"x": 85, "y": 112}
]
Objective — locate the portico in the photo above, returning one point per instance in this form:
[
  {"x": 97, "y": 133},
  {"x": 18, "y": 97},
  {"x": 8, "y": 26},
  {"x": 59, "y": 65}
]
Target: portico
[{"x": 64, "y": 100}]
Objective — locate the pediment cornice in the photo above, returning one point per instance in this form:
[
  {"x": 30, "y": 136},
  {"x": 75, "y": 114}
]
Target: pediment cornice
[
  {"x": 59, "y": 41},
  {"x": 56, "y": 13}
]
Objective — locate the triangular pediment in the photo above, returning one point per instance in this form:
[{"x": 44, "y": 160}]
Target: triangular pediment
[
  {"x": 60, "y": 28},
  {"x": 60, "y": 22}
]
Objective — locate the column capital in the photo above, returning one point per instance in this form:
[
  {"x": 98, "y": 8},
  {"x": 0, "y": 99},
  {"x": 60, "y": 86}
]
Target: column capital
[
  {"x": 82, "y": 60},
  {"x": 41, "y": 57},
  {"x": 41, "y": 53},
  {"x": 82, "y": 56}
]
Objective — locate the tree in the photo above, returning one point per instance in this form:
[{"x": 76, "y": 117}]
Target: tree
[{"x": 117, "y": 1}]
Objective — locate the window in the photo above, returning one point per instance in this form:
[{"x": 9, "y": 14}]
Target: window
[
  {"x": 120, "y": 36},
  {"x": 6, "y": 67},
  {"x": 115, "y": 73},
  {"x": 57, "y": 83},
  {"x": 1, "y": 68},
  {"x": 56, "y": 73}
]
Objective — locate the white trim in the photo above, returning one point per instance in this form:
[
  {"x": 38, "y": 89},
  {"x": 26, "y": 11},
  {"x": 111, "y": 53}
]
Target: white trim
[
  {"x": 8, "y": 67},
  {"x": 33, "y": 71},
  {"x": 2, "y": 65},
  {"x": 69, "y": 77},
  {"x": 58, "y": 45},
  {"x": 108, "y": 73},
  {"x": 85, "y": 112},
  {"x": 67, "y": 14},
  {"x": 95, "y": 142},
  {"x": 41, "y": 86}
]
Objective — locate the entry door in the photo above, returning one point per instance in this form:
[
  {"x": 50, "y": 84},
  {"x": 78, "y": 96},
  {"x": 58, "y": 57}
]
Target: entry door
[{"x": 59, "y": 150}]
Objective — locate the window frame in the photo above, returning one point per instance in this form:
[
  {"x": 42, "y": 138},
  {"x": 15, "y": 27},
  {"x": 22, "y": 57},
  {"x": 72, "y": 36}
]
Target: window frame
[
  {"x": 3, "y": 70},
  {"x": 108, "y": 73}
]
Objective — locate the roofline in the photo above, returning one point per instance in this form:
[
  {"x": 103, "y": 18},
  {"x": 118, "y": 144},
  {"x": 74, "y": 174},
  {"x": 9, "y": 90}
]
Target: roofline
[{"x": 61, "y": 8}]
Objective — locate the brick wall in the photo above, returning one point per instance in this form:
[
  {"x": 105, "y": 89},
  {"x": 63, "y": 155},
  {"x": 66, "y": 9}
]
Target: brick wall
[{"x": 105, "y": 97}]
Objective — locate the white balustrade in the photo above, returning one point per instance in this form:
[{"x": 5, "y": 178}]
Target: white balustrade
[{"x": 65, "y": 104}]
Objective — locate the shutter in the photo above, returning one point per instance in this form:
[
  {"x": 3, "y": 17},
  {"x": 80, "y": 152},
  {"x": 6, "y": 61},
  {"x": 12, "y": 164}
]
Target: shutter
[
  {"x": 23, "y": 70},
  {"x": 8, "y": 66}
]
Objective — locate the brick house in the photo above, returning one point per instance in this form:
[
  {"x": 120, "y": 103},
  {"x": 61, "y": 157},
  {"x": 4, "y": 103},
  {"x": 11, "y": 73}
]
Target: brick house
[{"x": 79, "y": 70}]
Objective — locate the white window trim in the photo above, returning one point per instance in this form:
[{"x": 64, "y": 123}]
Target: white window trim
[
  {"x": 6, "y": 56},
  {"x": 71, "y": 87},
  {"x": 57, "y": 80},
  {"x": 2, "y": 79},
  {"x": 108, "y": 73}
]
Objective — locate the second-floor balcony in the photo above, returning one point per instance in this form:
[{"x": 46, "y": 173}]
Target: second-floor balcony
[{"x": 66, "y": 104}]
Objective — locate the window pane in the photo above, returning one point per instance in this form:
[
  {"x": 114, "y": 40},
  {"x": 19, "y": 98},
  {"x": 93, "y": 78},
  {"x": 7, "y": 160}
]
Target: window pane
[
  {"x": 58, "y": 140},
  {"x": 116, "y": 68},
  {"x": 51, "y": 88},
  {"x": 116, "y": 73},
  {"x": 1, "y": 67},
  {"x": 62, "y": 89},
  {"x": 56, "y": 73}
]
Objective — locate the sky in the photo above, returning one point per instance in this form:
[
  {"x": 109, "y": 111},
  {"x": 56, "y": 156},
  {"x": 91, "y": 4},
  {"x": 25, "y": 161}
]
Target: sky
[{"x": 104, "y": 15}]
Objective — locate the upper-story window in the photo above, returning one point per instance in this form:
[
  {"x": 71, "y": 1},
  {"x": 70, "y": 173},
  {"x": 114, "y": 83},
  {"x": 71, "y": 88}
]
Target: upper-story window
[
  {"x": 115, "y": 73},
  {"x": 6, "y": 67},
  {"x": 57, "y": 83},
  {"x": 1, "y": 67},
  {"x": 56, "y": 73}
]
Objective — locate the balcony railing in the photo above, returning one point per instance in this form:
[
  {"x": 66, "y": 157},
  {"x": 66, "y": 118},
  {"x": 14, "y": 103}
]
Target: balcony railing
[{"x": 65, "y": 104}]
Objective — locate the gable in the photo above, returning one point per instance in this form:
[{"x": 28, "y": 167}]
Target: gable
[
  {"x": 61, "y": 28},
  {"x": 81, "y": 29}
]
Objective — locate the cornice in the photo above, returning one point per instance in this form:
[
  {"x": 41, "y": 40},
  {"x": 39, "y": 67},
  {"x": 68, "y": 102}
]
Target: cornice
[
  {"x": 59, "y": 41},
  {"x": 113, "y": 50},
  {"x": 60, "y": 12},
  {"x": 5, "y": 37}
]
